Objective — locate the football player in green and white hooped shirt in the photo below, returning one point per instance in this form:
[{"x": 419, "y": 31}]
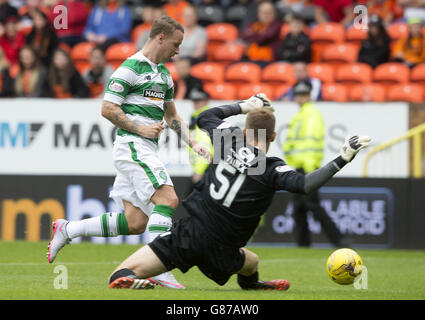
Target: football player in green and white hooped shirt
[{"x": 138, "y": 98}]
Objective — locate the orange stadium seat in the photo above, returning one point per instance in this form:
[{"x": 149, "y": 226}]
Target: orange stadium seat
[
  {"x": 118, "y": 52},
  {"x": 354, "y": 73},
  {"x": 243, "y": 72},
  {"x": 279, "y": 90},
  {"x": 247, "y": 90},
  {"x": 418, "y": 75},
  {"x": 335, "y": 92},
  {"x": 367, "y": 92},
  {"x": 355, "y": 36},
  {"x": 323, "y": 34},
  {"x": 219, "y": 33},
  {"x": 138, "y": 30},
  {"x": 398, "y": 30},
  {"x": 391, "y": 73},
  {"x": 81, "y": 51},
  {"x": 82, "y": 66},
  {"x": 321, "y": 71},
  {"x": 339, "y": 54},
  {"x": 221, "y": 91},
  {"x": 208, "y": 71},
  {"x": 229, "y": 52},
  {"x": 278, "y": 73},
  {"x": 409, "y": 92}
]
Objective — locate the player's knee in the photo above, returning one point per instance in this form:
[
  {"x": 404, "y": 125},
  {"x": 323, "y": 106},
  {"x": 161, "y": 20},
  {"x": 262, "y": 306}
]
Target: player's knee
[
  {"x": 171, "y": 201},
  {"x": 137, "y": 227}
]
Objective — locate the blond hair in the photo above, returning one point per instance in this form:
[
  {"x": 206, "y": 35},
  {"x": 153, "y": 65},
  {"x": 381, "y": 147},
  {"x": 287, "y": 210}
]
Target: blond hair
[
  {"x": 165, "y": 25},
  {"x": 261, "y": 119}
]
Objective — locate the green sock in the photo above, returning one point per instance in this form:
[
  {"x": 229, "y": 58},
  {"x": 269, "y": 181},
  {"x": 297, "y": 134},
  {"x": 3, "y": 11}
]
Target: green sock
[{"x": 114, "y": 224}]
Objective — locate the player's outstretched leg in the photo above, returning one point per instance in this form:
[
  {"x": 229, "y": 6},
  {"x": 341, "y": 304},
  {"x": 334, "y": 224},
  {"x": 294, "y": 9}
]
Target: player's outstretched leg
[
  {"x": 126, "y": 279},
  {"x": 160, "y": 222},
  {"x": 59, "y": 239},
  {"x": 109, "y": 224},
  {"x": 248, "y": 276},
  {"x": 136, "y": 270}
]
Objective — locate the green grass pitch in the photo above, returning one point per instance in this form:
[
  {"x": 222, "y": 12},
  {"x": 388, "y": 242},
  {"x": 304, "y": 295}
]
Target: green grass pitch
[{"x": 25, "y": 274}]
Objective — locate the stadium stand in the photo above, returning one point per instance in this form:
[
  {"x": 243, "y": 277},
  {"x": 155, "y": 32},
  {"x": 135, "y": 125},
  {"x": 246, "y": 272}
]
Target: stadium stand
[
  {"x": 220, "y": 91},
  {"x": 339, "y": 54},
  {"x": 334, "y": 92},
  {"x": 418, "y": 75},
  {"x": 218, "y": 34},
  {"x": 80, "y": 54},
  {"x": 391, "y": 73},
  {"x": 334, "y": 57},
  {"x": 208, "y": 71},
  {"x": 398, "y": 30},
  {"x": 278, "y": 73},
  {"x": 247, "y": 90},
  {"x": 406, "y": 92},
  {"x": 367, "y": 92},
  {"x": 324, "y": 34},
  {"x": 243, "y": 72},
  {"x": 228, "y": 52},
  {"x": 355, "y": 36},
  {"x": 322, "y": 71},
  {"x": 356, "y": 73},
  {"x": 138, "y": 30},
  {"x": 118, "y": 52}
]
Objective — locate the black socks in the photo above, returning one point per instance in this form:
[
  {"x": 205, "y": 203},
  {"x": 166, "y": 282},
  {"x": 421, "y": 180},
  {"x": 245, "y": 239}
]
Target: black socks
[
  {"x": 248, "y": 282},
  {"x": 122, "y": 273}
]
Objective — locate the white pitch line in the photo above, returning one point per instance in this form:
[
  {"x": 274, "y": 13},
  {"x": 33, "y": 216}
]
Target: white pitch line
[{"x": 56, "y": 263}]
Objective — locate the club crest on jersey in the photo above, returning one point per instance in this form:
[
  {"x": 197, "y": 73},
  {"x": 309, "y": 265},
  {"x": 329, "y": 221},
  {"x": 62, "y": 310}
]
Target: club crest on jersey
[
  {"x": 155, "y": 93},
  {"x": 115, "y": 86},
  {"x": 164, "y": 78}
]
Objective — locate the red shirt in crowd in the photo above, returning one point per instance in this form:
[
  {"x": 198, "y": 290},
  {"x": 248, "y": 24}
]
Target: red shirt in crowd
[
  {"x": 78, "y": 13},
  {"x": 334, "y": 8},
  {"x": 11, "y": 46}
]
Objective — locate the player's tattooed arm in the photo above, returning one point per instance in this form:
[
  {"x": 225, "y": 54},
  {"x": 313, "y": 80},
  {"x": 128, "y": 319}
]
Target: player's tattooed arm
[
  {"x": 176, "y": 123},
  {"x": 114, "y": 113}
]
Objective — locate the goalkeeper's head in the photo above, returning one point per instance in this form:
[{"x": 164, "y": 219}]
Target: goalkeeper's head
[{"x": 255, "y": 121}]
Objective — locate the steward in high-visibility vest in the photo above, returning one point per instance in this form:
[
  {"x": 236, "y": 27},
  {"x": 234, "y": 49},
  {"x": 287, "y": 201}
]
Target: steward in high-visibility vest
[
  {"x": 305, "y": 141},
  {"x": 303, "y": 150},
  {"x": 199, "y": 163}
]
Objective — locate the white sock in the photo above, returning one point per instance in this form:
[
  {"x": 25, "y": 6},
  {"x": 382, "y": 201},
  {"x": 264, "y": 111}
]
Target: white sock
[
  {"x": 157, "y": 225},
  {"x": 160, "y": 221},
  {"x": 109, "y": 224}
]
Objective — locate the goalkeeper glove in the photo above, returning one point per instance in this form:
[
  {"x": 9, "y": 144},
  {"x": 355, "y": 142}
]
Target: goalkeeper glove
[
  {"x": 257, "y": 101},
  {"x": 352, "y": 145}
]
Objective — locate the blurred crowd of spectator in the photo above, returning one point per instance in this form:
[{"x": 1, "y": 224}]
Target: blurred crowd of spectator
[{"x": 36, "y": 38}]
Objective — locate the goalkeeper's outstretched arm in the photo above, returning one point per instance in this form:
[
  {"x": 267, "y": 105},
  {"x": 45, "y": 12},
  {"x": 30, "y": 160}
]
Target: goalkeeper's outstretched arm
[{"x": 290, "y": 180}]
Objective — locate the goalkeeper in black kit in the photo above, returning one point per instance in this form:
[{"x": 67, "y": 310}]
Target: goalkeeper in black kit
[{"x": 225, "y": 208}]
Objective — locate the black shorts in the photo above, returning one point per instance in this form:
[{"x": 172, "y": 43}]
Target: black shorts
[{"x": 187, "y": 245}]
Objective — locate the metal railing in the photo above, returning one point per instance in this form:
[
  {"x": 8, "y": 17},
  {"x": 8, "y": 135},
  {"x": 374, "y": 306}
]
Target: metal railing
[{"x": 417, "y": 154}]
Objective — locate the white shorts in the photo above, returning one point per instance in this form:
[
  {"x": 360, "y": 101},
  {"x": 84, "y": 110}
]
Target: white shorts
[{"x": 139, "y": 174}]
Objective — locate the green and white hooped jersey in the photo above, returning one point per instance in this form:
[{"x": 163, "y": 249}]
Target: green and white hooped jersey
[{"x": 140, "y": 87}]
